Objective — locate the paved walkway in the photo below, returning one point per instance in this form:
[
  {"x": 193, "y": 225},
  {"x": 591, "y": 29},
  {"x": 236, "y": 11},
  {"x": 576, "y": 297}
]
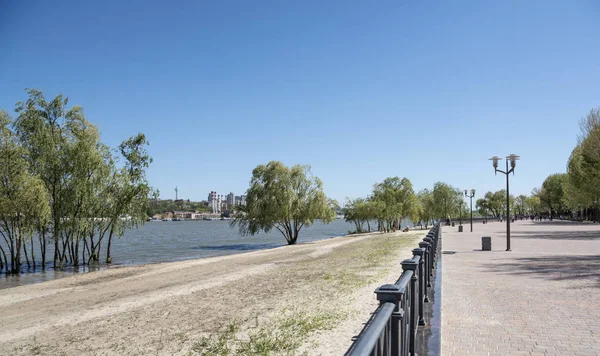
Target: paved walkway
[{"x": 543, "y": 298}]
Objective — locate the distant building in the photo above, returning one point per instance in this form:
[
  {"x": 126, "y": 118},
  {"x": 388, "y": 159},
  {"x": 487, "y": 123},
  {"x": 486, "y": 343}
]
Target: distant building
[
  {"x": 183, "y": 214},
  {"x": 214, "y": 202},
  {"x": 230, "y": 200},
  {"x": 243, "y": 200},
  {"x": 237, "y": 200}
]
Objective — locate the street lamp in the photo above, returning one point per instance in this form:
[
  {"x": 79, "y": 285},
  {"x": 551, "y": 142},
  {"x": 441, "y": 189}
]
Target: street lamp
[
  {"x": 471, "y": 195},
  {"x": 513, "y": 162}
]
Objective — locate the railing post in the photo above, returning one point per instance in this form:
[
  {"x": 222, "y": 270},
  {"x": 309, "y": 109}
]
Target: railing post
[
  {"x": 391, "y": 293},
  {"x": 421, "y": 285},
  {"x": 411, "y": 265},
  {"x": 432, "y": 235},
  {"x": 426, "y": 245},
  {"x": 429, "y": 240}
]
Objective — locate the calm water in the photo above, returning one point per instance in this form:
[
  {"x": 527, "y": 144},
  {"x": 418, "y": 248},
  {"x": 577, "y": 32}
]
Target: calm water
[{"x": 160, "y": 241}]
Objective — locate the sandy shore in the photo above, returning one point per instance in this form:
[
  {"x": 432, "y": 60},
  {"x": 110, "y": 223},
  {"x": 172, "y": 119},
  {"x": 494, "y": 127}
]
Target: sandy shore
[{"x": 319, "y": 292}]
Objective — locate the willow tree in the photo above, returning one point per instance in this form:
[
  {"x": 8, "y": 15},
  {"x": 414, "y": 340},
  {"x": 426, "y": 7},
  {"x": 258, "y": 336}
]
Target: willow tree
[
  {"x": 446, "y": 199},
  {"x": 360, "y": 211},
  {"x": 43, "y": 127},
  {"x": 398, "y": 200},
  {"x": 91, "y": 193},
  {"x": 284, "y": 199},
  {"x": 131, "y": 192},
  {"x": 23, "y": 200},
  {"x": 427, "y": 207}
]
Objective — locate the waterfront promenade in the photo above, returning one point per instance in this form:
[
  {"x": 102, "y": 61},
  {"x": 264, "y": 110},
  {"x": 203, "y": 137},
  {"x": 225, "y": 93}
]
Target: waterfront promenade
[{"x": 542, "y": 298}]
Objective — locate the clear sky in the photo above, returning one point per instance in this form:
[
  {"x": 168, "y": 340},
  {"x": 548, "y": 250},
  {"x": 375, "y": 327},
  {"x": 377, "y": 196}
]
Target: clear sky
[{"x": 360, "y": 90}]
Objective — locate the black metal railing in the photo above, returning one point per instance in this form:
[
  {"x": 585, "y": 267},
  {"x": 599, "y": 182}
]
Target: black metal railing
[{"x": 393, "y": 328}]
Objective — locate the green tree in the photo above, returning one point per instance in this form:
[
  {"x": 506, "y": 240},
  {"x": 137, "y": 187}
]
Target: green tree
[
  {"x": 89, "y": 196},
  {"x": 23, "y": 199},
  {"x": 285, "y": 199},
  {"x": 446, "y": 199},
  {"x": 398, "y": 200},
  {"x": 427, "y": 207},
  {"x": 534, "y": 205},
  {"x": 132, "y": 197},
  {"x": 552, "y": 195},
  {"x": 520, "y": 207},
  {"x": 42, "y": 128},
  {"x": 357, "y": 212},
  {"x": 482, "y": 206}
]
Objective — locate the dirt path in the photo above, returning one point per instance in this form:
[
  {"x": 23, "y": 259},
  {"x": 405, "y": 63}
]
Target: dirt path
[{"x": 166, "y": 308}]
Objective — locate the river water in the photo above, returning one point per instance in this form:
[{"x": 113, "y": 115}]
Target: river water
[{"x": 161, "y": 241}]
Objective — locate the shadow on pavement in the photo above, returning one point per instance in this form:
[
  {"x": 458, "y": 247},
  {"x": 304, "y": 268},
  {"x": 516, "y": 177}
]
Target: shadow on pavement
[
  {"x": 556, "y": 268},
  {"x": 557, "y": 235},
  {"x": 564, "y": 222}
]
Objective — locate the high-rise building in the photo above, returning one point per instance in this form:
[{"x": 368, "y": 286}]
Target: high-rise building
[
  {"x": 230, "y": 200},
  {"x": 213, "y": 202}
]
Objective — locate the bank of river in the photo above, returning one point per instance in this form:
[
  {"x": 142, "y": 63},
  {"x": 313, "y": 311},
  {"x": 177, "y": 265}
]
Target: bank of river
[
  {"x": 311, "y": 297},
  {"x": 159, "y": 241}
]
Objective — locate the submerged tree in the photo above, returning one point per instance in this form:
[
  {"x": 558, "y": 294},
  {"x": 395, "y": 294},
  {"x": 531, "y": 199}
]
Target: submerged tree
[
  {"x": 62, "y": 166},
  {"x": 285, "y": 199},
  {"x": 23, "y": 200}
]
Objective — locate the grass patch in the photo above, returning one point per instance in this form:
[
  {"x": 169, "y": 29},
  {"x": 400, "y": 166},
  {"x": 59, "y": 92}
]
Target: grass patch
[
  {"x": 281, "y": 337},
  {"x": 321, "y": 290}
]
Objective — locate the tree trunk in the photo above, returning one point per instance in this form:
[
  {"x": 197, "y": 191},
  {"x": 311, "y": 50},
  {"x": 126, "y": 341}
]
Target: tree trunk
[
  {"x": 32, "y": 253},
  {"x": 110, "y": 235},
  {"x": 5, "y": 263},
  {"x": 76, "y": 254},
  {"x": 42, "y": 238},
  {"x": 72, "y": 252},
  {"x": 26, "y": 256},
  {"x": 92, "y": 251},
  {"x": 16, "y": 266},
  {"x": 56, "y": 233}
]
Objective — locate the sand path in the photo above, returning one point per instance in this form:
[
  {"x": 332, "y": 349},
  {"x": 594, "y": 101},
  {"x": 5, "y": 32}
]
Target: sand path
[{"x": 163, "y": 308}]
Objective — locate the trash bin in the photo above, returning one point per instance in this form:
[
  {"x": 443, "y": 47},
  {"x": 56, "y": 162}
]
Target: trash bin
[
  {"x": 460, "y": 228},
  {"x": 486, "y": 243}
]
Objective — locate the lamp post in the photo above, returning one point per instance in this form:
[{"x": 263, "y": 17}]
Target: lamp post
[
  {"x": 513, "y": 162},
  {"x": 471, "y": 195}
]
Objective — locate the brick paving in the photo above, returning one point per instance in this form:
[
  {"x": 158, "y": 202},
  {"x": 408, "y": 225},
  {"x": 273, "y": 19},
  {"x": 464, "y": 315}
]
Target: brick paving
[{"x": 542, "y": 298}]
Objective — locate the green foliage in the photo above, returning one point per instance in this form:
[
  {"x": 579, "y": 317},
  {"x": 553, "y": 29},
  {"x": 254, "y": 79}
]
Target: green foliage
[
  {"x": 392, "y": 200},
  {"x": 157, "y": 206},
  {"x": 446, "y": 199},
  {"x": 520, "y": 205},
  {"x": 282, "y": 198},
  {"x": 80, "y": 192},
  {"x": 581, "y": 187},
  {"x": 552, "y": 194},
  {"x": 427, "y": 208},
  {"x": 23, "y": 198},
  {"x": 359, "y": 211},
  {"x": 397, "y": 198}
]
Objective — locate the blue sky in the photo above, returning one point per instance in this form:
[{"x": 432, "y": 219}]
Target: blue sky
[{"x": 359, "y": 90}]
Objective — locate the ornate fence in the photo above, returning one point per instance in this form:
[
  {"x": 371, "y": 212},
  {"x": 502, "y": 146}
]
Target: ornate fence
[{"x": 393, "y": 328}]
